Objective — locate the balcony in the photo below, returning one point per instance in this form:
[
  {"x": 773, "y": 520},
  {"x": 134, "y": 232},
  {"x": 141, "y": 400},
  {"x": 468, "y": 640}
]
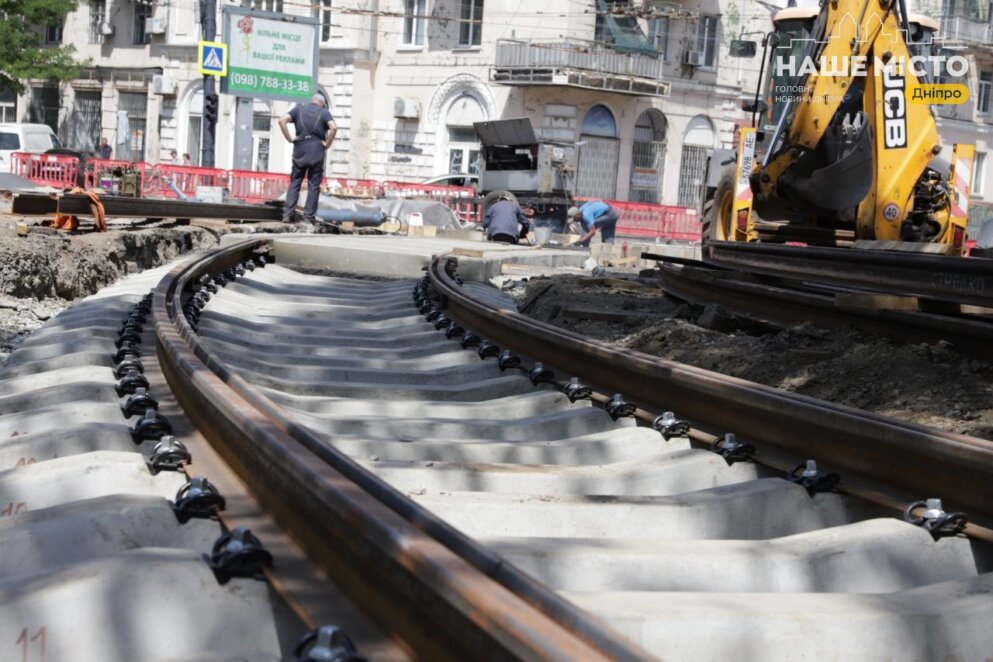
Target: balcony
[
  {"x": 963, "y": 31},
  {"x": 576, "y": 63}
]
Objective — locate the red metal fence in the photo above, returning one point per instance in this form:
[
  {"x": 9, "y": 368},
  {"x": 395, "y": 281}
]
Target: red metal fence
[
  {"x": 46, "y": 169},
  {"x": 636, "y": 219},
  {"x": 650, "y": 221}
]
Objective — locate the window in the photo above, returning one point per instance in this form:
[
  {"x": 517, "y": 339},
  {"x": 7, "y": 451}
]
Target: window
[
  {"x": 53, "y": 34},
  {"x": 413, "y": 22},
  {"x": 979, "y": 174},
  {"x": 463, "y": 149},
  {"x": 8, "y": 105},
  {"x": 658, "y": 31},
  {"x": 265, "y": 5},
  {"x": 135, "y": 107},
  {"x": 985, "y": 87},
  {"x": 325, "y": 20},
  {"x": 98, "y": 16},
  {"x": 142, "y": 10},
  {"x": 10, "y": 141},
  {"x": 44, "y": 106},
  {"x": 706, "y": 40},
  {"x": 471, "y": 24}
]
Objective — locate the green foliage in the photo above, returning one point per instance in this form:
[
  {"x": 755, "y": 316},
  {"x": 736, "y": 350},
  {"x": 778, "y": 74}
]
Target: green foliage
[{"x": 21, "y": 54}]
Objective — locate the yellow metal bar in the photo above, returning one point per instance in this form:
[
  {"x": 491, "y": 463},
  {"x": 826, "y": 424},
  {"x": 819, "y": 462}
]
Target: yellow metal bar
[{"x": 741, "y": 213}]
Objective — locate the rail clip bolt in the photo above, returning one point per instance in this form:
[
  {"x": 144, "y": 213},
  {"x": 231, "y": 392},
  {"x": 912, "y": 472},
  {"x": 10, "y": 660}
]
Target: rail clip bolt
[
  {"x": 454, "y": 331},
  {"x": 487, "y": 349},
  {"x": 507, "y": 360},
  {"x": 731, "y": 449},
  {"x": 433, "y": 315},
  {"x": 126, "y": 350},
  {"x": 618, "y": 408},
  {"x": 810, "y": 477},
  {"x": 151, "y": 426},
  {"x": 128, "y": 363},
  {"x": 197, "y": 498},
  {"x": 669, "y": 426},
  {"x": 326, "y": 644},
  {"x": 576, "y": 391},
  {"x": 239, "y": 554},
  {"x": 442, "y": 322},
  {"x": 169, "y": 454},
  {"x": 934, "y": 519},
  {"x": 539, "y": 374},
  {"x": 131, "y": 380},
  {"x": 138, "y": 403},
  {"x": 470, "y": 339}
]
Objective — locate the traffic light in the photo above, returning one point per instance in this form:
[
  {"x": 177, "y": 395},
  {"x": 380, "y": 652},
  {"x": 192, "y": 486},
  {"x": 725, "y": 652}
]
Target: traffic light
[{"x": 210, "y": 107}]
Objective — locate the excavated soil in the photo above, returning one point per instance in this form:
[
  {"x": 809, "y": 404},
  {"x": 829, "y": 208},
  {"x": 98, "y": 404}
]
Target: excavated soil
[
  {"x": 42, "y": 273},
  {"x": 927, "y": 384}
]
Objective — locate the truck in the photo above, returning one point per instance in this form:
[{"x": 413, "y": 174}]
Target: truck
[
  {"x": 843, "y": 147},
  {"x": 538, "y": 174}
]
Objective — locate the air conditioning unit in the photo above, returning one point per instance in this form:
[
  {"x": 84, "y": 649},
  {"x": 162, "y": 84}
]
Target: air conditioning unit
[
  {"x": 107, "y": 30},
  {"x": 163, "y": 84},
  {"x": 693, "y": 58},
  {"x": 155, "y": 26},
  {"x": 406, "y": 108}
]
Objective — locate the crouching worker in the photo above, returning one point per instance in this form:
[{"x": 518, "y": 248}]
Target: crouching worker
[
  {"x": 505, "y": 221},
  {"x": 595, "y": 215}
]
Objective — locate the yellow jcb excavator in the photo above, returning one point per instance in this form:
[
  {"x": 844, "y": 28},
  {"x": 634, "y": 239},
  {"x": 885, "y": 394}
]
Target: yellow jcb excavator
[{"x": 843, "y": 146}]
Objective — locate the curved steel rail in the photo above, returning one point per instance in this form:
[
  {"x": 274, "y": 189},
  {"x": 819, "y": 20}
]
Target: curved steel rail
[
  {"x": 424, "y": 581},
  {"x": 784, "y": 305},
  {"x": 909, "y": 458},
  {"x": 955, "y": 279}
]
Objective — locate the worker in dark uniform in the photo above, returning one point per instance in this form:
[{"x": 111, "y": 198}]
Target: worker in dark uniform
[
  {"x": 315, "y": 131},
  {"x": 505, "y": 221}
]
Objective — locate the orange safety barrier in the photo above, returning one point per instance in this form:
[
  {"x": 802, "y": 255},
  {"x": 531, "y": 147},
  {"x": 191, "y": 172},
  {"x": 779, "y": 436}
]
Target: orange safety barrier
[
  {"x": 257, "y": 187},
  {"x": 47, "y": 169},
  {"x": 642, "y": 219},
  {"x": 461, "y": 199}
]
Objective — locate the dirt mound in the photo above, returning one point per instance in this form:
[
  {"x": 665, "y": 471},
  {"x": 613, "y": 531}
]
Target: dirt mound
[
  {"x": 44, "y": 272},
  {"x": 931, "y": 385}
]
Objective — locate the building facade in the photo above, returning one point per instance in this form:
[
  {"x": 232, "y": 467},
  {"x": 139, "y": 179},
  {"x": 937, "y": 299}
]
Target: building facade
[{"x": 644, "y": 90}]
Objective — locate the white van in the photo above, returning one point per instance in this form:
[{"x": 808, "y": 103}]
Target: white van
[{"x": 31, "y": 138}]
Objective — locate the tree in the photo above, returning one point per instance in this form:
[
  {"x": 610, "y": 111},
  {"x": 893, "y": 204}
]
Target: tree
[{"x": 22, "y": 55}]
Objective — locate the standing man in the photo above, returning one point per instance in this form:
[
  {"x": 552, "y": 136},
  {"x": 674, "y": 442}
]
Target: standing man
[
  {"x": 105, "y": 149},
  {"x": 595, "y": 215},
  {"x": 505, "y": 222},
  {"x": 315, "y": 130}
]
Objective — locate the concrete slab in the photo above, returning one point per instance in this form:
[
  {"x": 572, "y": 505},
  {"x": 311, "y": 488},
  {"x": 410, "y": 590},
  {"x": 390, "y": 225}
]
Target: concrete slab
[
  {"x": 675, "y": 473},
  {"x": 947, "y": 621},
  {"x": 759, "y": 509},
  {"x": 407, "y": 256},
  {"x": 614, "y": 445},
  {"x": 100, "y": 610},
  {"x": 34, "y": 448},
  {"x": 94, "y": 528},
  {"x": 79, "y": 477},
  {"x": 874, "y": 556}
]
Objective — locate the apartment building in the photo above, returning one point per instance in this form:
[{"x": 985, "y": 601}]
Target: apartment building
[
  {"x": 966, "y": 29},
  {"x": 643, "y": 90}
]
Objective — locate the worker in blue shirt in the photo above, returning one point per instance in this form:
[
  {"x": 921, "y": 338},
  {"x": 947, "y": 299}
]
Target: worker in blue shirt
[{"x": 595, "y": 215}]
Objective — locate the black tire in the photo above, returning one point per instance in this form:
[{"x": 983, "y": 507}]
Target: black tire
[
  {"x": 713, "y": 229},
  {"x": 493, "y": 196}
]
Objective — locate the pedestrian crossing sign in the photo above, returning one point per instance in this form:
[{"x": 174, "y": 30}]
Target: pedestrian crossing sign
[{"x": 213, "y": 58}]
